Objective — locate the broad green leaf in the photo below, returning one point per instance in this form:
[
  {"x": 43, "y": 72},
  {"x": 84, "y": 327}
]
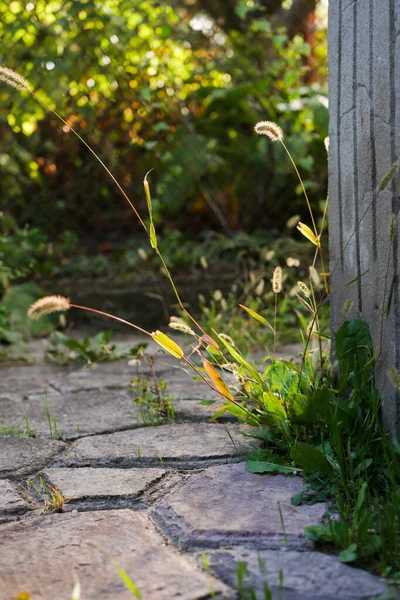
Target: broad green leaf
[
  {"x": 318, "y": 533},
  {"x": 310, "y": 458},
  {"x": 256, "y": 466},
  {"x": 348, "y": 555},
  {"x": 274, "y": 406}
]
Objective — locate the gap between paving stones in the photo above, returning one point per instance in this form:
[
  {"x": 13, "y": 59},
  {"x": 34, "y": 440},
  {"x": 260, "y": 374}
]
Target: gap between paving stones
[{"x": 192, "y": 497}]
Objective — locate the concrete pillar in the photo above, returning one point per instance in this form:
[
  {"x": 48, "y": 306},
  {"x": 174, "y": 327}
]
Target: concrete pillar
[{"x": 364, "y": 97}]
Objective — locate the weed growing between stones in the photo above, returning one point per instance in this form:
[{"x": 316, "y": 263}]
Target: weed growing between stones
[
  {"x": 150, "y": 395},
  {"x": 50, "y": 498},
  {"x": 327, "y": 425},
  {"x": 64, "y": 350}
]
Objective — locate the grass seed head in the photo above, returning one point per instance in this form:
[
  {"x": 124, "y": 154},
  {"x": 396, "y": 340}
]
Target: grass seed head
[
  {"x": 277, "y": 280},
  {"x": 270, "y": 129},
  {"x": 12, "y": 78},
  {"x": 304, "y": 289},
  {"x": 179, "y": 324},
  {"x": 48, "y": 305}
]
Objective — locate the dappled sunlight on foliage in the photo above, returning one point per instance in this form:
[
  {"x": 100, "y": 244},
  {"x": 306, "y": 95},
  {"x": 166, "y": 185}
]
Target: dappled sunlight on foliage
[{"x": 157, "y": 86}]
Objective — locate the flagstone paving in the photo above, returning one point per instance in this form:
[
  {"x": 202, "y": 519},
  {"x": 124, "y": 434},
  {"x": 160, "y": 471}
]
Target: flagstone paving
[{"x": 158, "y": 502}]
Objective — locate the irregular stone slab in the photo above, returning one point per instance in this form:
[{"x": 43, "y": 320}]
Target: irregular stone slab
[
  {"x": 182, "y": 386},
  {"x": 86, "y": 483},
  {"x": 29, "y": 378},
  {"x": 76, "y": 414},
  {"x": 178, "y": 445},
  {"x": 10, "y": 500},
  {"x": 212, "y": 509},
  {"x": 42, "y": 555},
  {"x": 24, "y": 456},
  {"x": 306, "y": 575}
]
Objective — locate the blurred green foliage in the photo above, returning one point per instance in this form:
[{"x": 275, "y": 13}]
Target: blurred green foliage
[{"x": 153, "y": 85}]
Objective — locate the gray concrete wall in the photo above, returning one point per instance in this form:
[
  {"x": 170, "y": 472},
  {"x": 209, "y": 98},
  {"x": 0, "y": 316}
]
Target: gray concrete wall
[{"x": 364, "y": 96}]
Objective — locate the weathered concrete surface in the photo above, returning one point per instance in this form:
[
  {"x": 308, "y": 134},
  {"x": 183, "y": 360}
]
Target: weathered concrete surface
[
  {"x": 364, "y": 98},
  {"x": 306, "y": 575},
  {"x": 24, "y": 456},
  {"x": 77, "y": 414},
  {"x": 26, "y": 379},
  {"x": 84, "y": 483},
  {"x": 225, "y": 505},
  {"x": 181, "y": 445},
  {"x": 42, "y": 555},
  {"x": 11, "y": 502}
]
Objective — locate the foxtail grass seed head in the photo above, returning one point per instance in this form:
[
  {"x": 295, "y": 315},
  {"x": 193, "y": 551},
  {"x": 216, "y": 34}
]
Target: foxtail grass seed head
[
  {"x": 270, "y": 129},
  {"x": 277, "y": 280},
  {"x": 203, "y": 263},
  {"x": 48, "y": 305},
  {"x": 12, "y": 78},
  {"x": 260, "y": 288},
  {"x": 142, "y": 253},
  {"x": 316, "y": 279},
  {"x": 269, "y": 255},
  {"x": 218, "y": 295},
  {"x": 179, "y": 324},
  {"x": 292, "y": 262},
  {"x": 227, "y": 338},
  {"x": 292, "y": 222},
  {"x": 304, "y": 289},
  {"x": 326, "y": 144}
]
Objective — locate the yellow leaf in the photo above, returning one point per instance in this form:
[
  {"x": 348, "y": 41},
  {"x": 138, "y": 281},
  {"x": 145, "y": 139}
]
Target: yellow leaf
[
  {"x": 148, "y": 196},
  {"x": 169, "y": 345},
  {"x": 216, "y": 379},
  {"x": 256, "y": 316},
  {"x": 308, "y": 233},
  {"x": 153, "y": 237}
]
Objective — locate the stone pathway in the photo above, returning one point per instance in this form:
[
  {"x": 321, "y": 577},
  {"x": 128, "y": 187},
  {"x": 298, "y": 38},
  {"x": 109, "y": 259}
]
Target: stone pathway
[{"x": 156, "y": 502}]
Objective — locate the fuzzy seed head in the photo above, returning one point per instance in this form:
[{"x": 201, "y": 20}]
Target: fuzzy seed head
[
  {"x": 270, "y": 129},
  {"x": 48, "y": 305},
  {"x": 179, "y": 324},
  {"x": 277, "y": 280},
  {"x": 326, "y": 144},
  {"x": 304, "y": 289},
  {"x": 227, "y": 338},
  {"x": 292, "y": 262},
  {"x": 12, "y": 78}
]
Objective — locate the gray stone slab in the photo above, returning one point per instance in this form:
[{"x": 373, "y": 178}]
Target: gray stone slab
[
  {"x": 24, "y": 456},
  {"x": 26, "y": 379},
  {"x": 85, "y": 482},
  {"x": 180, "y": 445},
  {"x": 306, "y": 575},
  {"x": 42, "y": 556},
  {"x": 76, "y": 414},
  {"x": 11, "y": 502},
  {"x": 212, "y": 509}
]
